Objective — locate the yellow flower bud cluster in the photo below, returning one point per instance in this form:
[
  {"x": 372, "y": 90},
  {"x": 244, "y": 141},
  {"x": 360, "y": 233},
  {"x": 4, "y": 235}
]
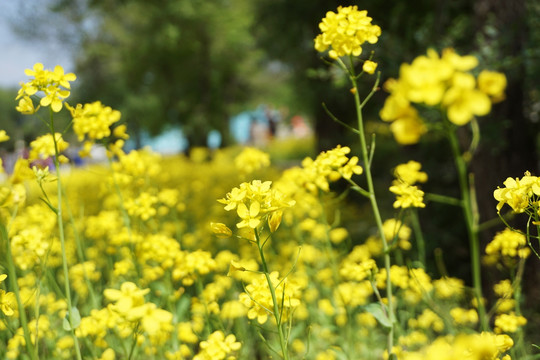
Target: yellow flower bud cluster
[
  {"x": 463, "y": 316},
  {"x": 509, "y": 323},
  {"x": 508, "y": 243},
  {"x": 54, "y": 85},
  {"x": 345, "y": 32},
  {"x": 444, "y": 81},
  {"x": 255, "y": 202}
]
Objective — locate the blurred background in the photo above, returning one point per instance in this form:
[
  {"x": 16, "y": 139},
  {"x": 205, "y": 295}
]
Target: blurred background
[{"x": 190, "y": 73}]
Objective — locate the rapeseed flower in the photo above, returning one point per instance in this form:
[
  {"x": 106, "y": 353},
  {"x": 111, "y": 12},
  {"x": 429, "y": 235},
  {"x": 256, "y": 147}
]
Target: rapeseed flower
[
  {"x": 518, "y": 193},
  {"x": 509, "y": 323},
  {"x": 7, "y": 300},
  {"x": 410, "y": 172},
  {"x": 43, "y": 147},
  {"x": 251, "y": 159},
  {"x": 407, "y": 195},
  {"x": 55, "y": 85},
  {"x": 508, "y": 243},
  {"x": 3, "y": 136},
  {"x": 345, "y": 32},
  {"x": 255, "y": 202},
  {"x": 218, "y": 347},
  {"x": 369, "y": 66},
  {"x": 439, "y": 80},
  {"x": 93, "y": 121},
  {"x": 258, "y": 298}
]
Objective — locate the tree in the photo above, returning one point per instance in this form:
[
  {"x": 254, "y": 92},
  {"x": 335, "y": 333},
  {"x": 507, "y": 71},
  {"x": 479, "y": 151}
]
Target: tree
[{"x": 164, "y": 62}]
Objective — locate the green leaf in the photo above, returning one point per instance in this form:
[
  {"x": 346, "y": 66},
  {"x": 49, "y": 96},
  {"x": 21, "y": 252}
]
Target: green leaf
[
  {"x": 76, "y": 320},
  {"x": 377, "y": 311}
]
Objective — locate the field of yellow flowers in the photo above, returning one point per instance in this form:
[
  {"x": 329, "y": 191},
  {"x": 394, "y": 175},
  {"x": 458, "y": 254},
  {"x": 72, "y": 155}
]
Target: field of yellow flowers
[{"x": 219, "y": 255}]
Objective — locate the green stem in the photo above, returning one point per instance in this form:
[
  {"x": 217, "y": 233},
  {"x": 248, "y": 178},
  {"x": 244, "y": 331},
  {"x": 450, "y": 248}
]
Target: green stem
[
  {"x": 419, "y": 236},
  {"x": 276, "y": 312},
  {"x": 63, "y": 241},
  {"x": 15, "y": 286},
  {"x": 471, "y": 220},
  {"x": 517, "y": 296},
  {"x": 373, "y": 201}
]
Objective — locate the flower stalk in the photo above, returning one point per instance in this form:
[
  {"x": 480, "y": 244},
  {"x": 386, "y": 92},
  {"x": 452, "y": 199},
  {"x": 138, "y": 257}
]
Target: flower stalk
[
  {"x": 59, "y": 214},
  {"x": 275, "y": 311},
  {"x": 468, "y": 203},
  {"x": 371, "y": 191}
]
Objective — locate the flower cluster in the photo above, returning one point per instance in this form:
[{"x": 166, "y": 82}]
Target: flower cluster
[
  {"x": 93, "y": 121},
  {"x": 256, "y": 201},
  {"x": 131, "y": 313},
  {"x": 258, "y": 299},
  {"x": 329, "y": 166},
  {"x": 520, "y": 194},
  {"x": 43, "y": 147},
  {"x": 508, "y": 243},
  {"x": 473, "y": 347},
  {"x": 54, "y": 84},
  {"x": 217, "y": 347},
  {"x": 444, "y": 81},
  {"x": 407, "y": 194},
  {"x": 345, "y": 32},
  {"x": 251, "y": 159}
]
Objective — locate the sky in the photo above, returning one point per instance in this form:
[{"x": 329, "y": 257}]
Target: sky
[{"x": 18, "y": 54}]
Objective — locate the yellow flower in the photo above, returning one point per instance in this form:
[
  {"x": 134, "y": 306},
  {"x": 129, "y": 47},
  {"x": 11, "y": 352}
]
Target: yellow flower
[
  {"x": 463, "y": 101},
  {"x": 407, "y": 195},
  {"x": 463, "y": 317},
  {"x": 258, "y": 298},
  {"x": 493, "y": 84},
  {"x": 345, "y": 32},
  {"x": 127, "y": 298},
  {"x": 153, "y": 320},
  {"x": 43, "y": 146},
  {"x": 408, "y": 130},
  {"x": 509, "y": 323},
  {"x": 256, "y": 201},
  {"x": 251, "y": 159},
  {"x": 410, "y": 172},
  {"x": 218, "y": 347},
  {"x": 249, "y": 217},
  {"x": 517, "y": 192},
  {"x": 93, "y": 120},
  {"x": 369, "y": 66},
  {"x": 395, "y": 229},
  {"x": 508, "y": 243},
  {"x": 221, "y": 230},
  {"x": 26, "y": 106},
  {"x": 3, "y": 136},
  {"x": 54, "y": 84},
  {"x": 142, "y": 206},
  {"x": 7, "y": 300}
]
